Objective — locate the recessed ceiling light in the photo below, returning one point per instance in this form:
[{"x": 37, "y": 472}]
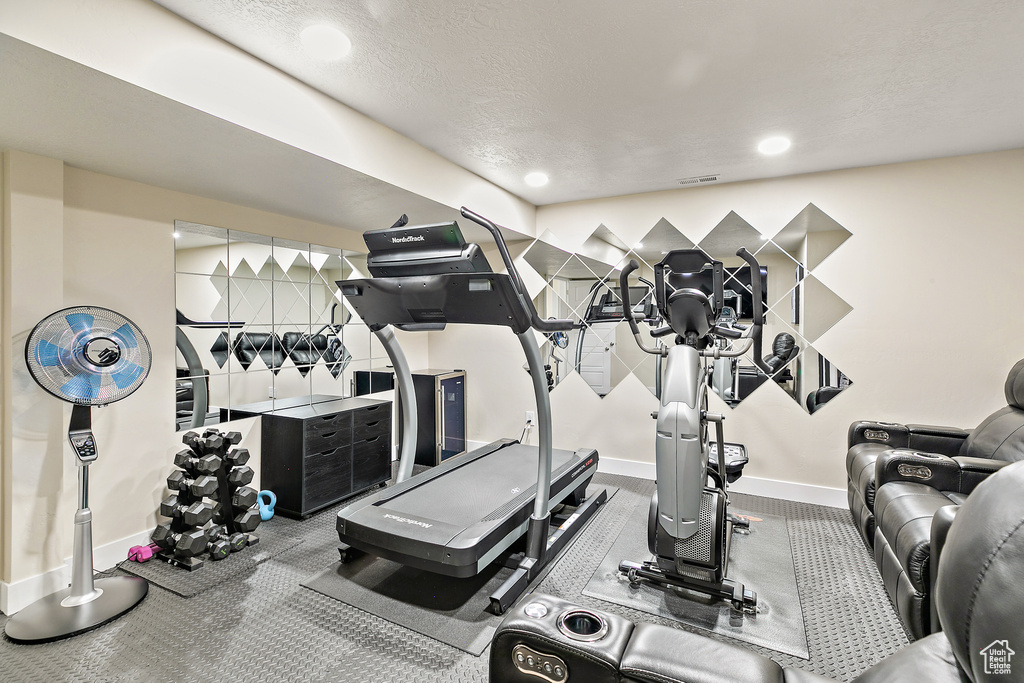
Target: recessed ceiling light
[
  {"x": 536, "y": 179},
  {"x": 638, "y": 245},
  {"x": 774, "y": 145},
  {"x": 176, "y": 235},
  {"x": 325, "y": 43}
]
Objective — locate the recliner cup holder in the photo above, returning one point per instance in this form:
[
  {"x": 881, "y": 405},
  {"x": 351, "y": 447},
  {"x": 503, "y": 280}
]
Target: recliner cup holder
[{"x": 582, "y": 625}]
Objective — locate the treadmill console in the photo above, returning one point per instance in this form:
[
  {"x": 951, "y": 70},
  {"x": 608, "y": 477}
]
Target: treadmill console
[{"x": 432, "y": 249}]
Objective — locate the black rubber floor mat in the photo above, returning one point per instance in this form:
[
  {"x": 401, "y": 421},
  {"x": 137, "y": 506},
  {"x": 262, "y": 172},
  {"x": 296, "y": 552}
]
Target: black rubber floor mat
[
  {"x": 453, "y": 611},
  {"x": 762, "y": 560},
  {"x": 275, "y": 538}
]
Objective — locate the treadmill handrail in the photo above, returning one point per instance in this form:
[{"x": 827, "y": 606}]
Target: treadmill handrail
[{"x": 538, "y": 323}]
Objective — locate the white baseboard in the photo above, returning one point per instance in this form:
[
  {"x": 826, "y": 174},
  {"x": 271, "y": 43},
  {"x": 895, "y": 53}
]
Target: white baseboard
[
  {"x": 627, "y": 468},
  {"x": 18, "y": 595},
  {"x": 770, "y": 488}
]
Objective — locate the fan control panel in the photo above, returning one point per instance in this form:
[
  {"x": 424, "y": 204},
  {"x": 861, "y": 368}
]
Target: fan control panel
[{"x": 84, "y": 444}]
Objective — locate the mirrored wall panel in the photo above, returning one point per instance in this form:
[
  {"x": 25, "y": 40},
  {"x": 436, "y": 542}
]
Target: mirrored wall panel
[
  {"x": 799, "y": 308},
  {"x": 260, "y": 321}
]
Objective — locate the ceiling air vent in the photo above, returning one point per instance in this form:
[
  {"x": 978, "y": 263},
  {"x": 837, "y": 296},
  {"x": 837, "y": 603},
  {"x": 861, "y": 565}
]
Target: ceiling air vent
[{"x": 699, "y": 179}]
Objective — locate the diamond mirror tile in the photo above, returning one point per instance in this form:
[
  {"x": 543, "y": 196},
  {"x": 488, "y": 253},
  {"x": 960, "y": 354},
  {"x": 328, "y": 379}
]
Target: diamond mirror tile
[{"x": 800, "y": 309}]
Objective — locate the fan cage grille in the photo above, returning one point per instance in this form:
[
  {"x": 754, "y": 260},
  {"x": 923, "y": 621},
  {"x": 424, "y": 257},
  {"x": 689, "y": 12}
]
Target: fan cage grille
[{"x": 55, "y": 353}]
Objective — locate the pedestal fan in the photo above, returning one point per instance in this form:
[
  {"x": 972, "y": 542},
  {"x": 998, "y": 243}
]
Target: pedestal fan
[{"x": 87, "y": 356}]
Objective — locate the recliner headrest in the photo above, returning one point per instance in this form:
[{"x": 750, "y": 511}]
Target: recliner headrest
[
  {"x": 783, "y": 345},
  {"x": 1014, "y": 388},
  {"x": 978, "y": 595},
  {"x": 784, "y": 349}
]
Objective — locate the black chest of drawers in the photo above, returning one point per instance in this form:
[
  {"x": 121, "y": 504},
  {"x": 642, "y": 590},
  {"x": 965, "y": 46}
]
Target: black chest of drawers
[{"x": 314, "y": 456}]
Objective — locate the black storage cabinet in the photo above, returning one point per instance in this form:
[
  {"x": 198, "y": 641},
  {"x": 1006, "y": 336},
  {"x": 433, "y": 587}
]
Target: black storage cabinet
[{"x": 314, "y": 456}]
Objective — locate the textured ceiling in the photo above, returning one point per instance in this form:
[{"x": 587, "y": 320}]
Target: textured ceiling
[
  {"x": 612, "y": 97},
  {"x": 59, "y": 108}
]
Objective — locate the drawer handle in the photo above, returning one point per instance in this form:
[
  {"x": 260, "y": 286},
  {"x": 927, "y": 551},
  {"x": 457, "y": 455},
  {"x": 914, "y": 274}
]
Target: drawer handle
[
  {"x": 373, "y": 439},
  {"x": 328, "y": 435},
  {"x": 330, "y": 452},
  {"x": 369, "y": 408},
  {"x": 372, "y": 424}
]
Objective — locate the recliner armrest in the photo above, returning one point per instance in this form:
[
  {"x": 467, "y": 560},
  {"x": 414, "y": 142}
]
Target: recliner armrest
[
  {"x": 941, "y": 521},
  {"x": 973, "y": 471},
  {"x": 659, "y": 654},
  {"x": 933, "y": 469},
  {"x": 890, "y": 434},
  {"x": 937, "y": 439}
]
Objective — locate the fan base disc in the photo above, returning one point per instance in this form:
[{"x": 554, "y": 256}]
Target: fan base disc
[{"x": 46, "y": 619}]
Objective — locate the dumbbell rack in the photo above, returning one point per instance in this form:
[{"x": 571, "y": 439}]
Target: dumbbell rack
[{"x": 210, "y": 467}]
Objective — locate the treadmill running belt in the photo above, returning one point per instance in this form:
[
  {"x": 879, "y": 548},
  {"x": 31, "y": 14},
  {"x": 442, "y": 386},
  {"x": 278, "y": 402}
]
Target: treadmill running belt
[{"x": 485, "y": 484}]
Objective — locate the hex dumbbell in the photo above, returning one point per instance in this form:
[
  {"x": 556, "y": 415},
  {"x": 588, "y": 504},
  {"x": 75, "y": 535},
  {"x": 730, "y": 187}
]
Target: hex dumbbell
[
  {"x": 202, "y": 485},
  {"x": 195, "y": 514},
  {"x": 215, "y": 443},
  {"x": 237, "y": 456},
  {"x": 194, "y": 442},
  {"x": 206, "y": 464},
  {"x": 248, "y": 520},
  {"x": 243, "y": 498},
  {"x": 240, "y": 476},
  {"x": 185, "y": 544},
  {"x": 220, "y": 538}
]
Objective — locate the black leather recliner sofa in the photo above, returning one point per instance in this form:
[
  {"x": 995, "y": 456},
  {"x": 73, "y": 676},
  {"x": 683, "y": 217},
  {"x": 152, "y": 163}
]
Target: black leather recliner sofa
[
  {"x": 979, "y": 600},
  {"x": 900, "y": 475}
]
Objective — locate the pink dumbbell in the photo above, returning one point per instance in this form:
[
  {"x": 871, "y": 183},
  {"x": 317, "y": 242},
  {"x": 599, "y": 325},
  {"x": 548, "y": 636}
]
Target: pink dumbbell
[{"x": 142, "y": 553}]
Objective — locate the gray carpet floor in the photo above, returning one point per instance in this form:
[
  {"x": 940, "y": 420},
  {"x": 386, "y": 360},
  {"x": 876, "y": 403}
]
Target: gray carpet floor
[{"x": 265, "y": 626}]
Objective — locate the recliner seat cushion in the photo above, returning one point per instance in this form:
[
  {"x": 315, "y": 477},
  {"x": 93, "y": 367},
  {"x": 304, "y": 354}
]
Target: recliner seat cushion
[
  {"x": 903, "y": 518},
  {"x": 903, "y": 514}
]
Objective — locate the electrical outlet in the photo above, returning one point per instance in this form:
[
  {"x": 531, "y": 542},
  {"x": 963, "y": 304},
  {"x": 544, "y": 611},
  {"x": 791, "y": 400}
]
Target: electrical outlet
[
  {"x": 529, "y": 416},
  {"x": 270, "y": 392}
]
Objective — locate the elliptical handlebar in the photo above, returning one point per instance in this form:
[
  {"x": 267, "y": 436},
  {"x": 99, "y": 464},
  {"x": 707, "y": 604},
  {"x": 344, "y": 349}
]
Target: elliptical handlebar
[
  {"x": 627, "y": 308},
  {"x": 754, "y": 330},
  {"x": 538, "y": 323}
]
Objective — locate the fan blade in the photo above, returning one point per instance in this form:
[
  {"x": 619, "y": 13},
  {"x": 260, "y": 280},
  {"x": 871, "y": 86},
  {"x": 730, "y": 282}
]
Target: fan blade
[
  {"x": 126, "y": 375},
  {"x": 80, "y": 322},
  {"x": 128, "y": 336},
  {"x": 84, "y": 386},
  {"x": 49, "y": 354}
]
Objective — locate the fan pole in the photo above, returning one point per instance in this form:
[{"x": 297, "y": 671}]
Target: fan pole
[{"x": 83, "y": 589}]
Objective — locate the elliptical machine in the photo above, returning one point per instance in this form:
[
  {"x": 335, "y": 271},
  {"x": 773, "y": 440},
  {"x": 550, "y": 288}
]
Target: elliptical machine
[{"x": 689, "y": 527}]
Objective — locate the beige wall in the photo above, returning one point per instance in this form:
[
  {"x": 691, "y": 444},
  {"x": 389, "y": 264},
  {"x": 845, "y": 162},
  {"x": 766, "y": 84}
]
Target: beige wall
[
  {"x": 76, "y": 238},
  {"x": 931, "y": 273}
]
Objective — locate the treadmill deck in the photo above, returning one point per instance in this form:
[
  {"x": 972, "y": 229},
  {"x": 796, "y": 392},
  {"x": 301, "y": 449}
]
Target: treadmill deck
[
  {"x": 455, "y": 518},
  {"x": 477, "y": 489}
]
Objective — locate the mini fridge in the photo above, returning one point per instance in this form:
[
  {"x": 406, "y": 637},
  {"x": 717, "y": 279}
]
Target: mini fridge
[{"x": 441, "y": 406}]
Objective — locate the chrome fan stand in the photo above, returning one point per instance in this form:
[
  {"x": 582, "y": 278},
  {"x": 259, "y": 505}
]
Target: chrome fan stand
[
  {"x": 86, "y": 356},
  {"x": 88, "y": 602}
]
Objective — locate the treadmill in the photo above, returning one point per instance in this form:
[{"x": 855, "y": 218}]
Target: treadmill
[{"x": 460, "y": 516}]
